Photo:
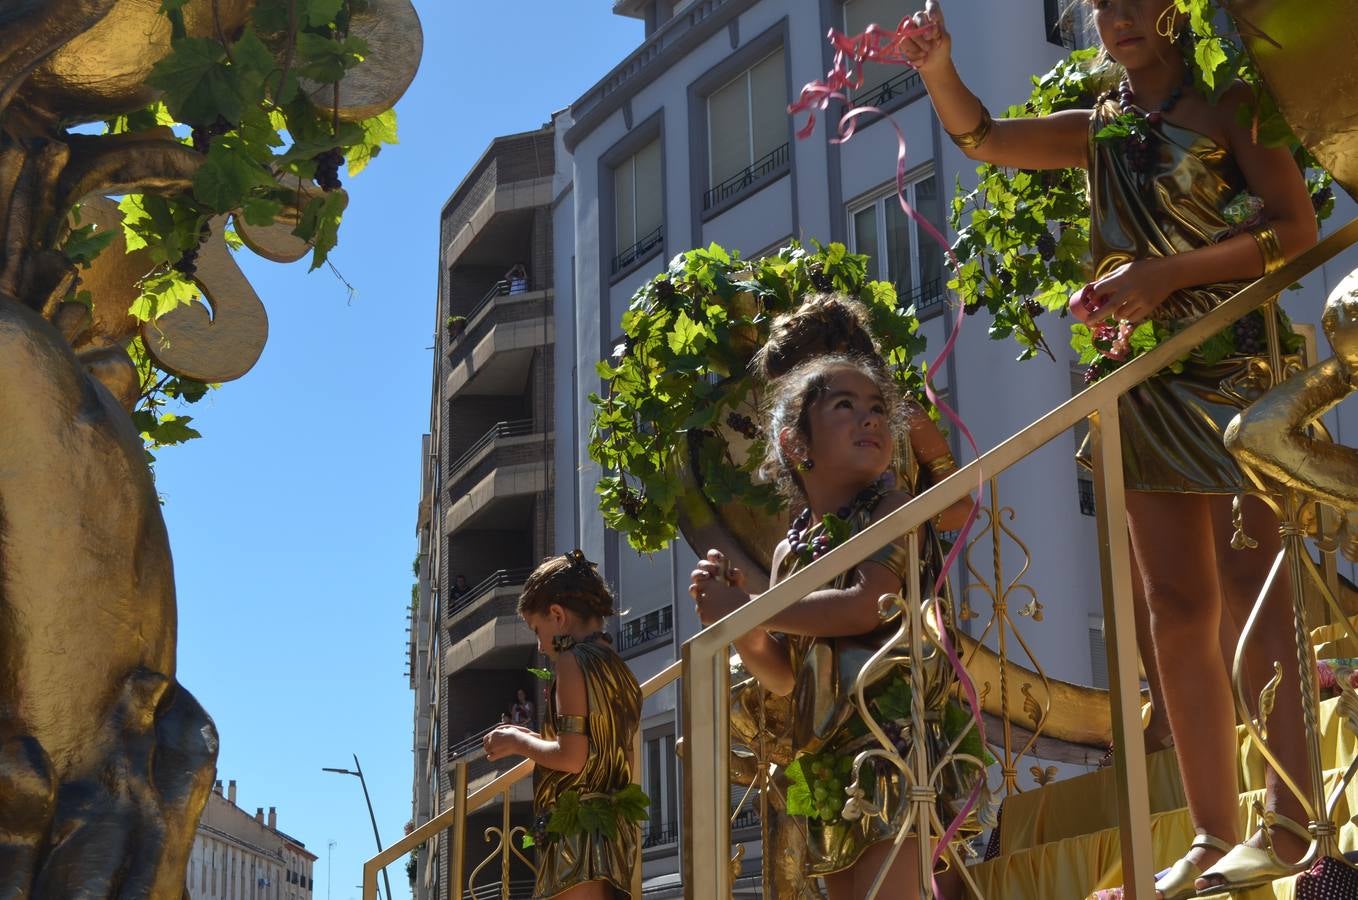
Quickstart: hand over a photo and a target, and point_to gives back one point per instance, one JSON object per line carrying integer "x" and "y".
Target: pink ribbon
{"x": 877, "y": 44}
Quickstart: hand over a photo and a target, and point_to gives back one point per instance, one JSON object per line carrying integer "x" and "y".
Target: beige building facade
{"x": 239, "y": 856}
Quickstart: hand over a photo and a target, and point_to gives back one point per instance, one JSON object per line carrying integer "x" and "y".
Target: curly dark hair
{"x": 821, "y": 325}
{"x": 788, "y": 405}
{"x": 571, "y": 581}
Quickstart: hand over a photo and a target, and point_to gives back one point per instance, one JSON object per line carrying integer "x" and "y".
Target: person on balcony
{"x": 583, "y": 756}
{"x": 838, "y": 435}
{"x": 521, "y": 712}
{"x": 1164, "y": 248}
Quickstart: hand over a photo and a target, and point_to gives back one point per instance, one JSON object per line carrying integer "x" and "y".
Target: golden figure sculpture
{"x": 105, "y": 760}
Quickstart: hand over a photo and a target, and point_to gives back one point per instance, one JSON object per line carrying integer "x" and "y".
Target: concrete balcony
{"x": 494, "y": 350}
{"x": 495, "y": 487}
{"x": 503, "y": 641}
{"x": 495, "y": 212}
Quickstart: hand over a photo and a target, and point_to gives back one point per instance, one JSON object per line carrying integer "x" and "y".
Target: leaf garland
{"x": 682, "y": 367}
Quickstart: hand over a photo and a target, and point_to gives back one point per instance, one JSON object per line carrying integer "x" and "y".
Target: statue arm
{"x": 35, "y": 30}
{"x": 1271, "y": 437}
{"x": 127, "y": 164}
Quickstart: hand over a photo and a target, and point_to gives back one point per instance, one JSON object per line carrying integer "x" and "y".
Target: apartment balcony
{"x": 494, "y": 208}
{"x": 493, "y": 484}
{"x": 493, "y": 351}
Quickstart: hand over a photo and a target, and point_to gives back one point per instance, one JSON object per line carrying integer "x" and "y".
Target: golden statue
{"x": 105, "y": 760}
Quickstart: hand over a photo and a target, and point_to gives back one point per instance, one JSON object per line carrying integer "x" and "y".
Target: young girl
{"x": 835, "y": 422}
{"x": 585, "y": 749}
{"x": 1162, "y": 248}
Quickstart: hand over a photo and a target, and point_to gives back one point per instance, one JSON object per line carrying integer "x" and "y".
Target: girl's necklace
{"x": 1139, "y": 152}
{"x": 809, "y": 543}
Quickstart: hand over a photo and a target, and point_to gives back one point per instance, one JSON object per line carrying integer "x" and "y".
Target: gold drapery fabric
{"x": 614, "y": 715}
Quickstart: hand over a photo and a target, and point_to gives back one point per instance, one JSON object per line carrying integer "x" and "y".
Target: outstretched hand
{"x": 932, "y": 48}
{"x": 717, "y": 587}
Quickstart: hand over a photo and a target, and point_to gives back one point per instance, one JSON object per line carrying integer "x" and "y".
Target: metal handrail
{"x": 456, "y": 815}
{"x": 470, "y": 743}
{"x": 923, "y": 296}
{"x": 770, "y": 162}
{"x": 510, "y": 428}
{"x": 706, "y": 655}
{"x": 498, "y": 289}
{"x": 637, "y": 250}
{"x": 497, "y": 579}
{"x": 884, "y": 92}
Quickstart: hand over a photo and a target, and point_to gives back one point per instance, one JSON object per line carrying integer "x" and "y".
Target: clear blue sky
{"x": 293, "y": 519}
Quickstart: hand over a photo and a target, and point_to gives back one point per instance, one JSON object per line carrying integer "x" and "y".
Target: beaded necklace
{"x": 810, "y": 542}
{"x": 1139, "y": 125}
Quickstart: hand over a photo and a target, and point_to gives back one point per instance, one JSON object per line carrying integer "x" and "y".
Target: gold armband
{"x": 1269, "y": 248}
{"x": 941, "y": 466}
{"x": 570, "y": 725}
{"x": 977, "y": 136}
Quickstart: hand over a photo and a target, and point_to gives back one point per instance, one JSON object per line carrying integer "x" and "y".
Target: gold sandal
{"x": 1178, "y": 881}
{"x": 1247, "y": 867}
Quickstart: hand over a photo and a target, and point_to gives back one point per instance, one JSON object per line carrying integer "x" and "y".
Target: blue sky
{"x": 292, "y": 521}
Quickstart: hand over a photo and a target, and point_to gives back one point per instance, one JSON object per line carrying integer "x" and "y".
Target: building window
{"x": 637, "y": 206}
{"x": 656, "y": 624}
{"x": 1098, "y": 653}
{"x": 881, "y": 82}
{"x": 899, "y": 250}
{"x": 1065, "y": 23}
{"x": 662, "y": 780}
{"x": 747, "y": 123}
{"x": 1085, "y": 487}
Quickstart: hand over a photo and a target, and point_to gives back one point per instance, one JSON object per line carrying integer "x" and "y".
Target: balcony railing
{"x": 497, "y": 579}
{"x": 637, "y": 250}
{"x": 660, "y": 835}
{"x": 1086, "y": 496}
{"x": 886, "y": 91}
{"x": 654, "y": 625}
{"x": 511, "y": 428}
{"x": 923, "y": 297}
{"x": 471, "y": 743}
{"x": 766, "y": 165}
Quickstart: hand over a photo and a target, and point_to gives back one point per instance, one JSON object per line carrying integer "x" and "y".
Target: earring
{"x": 562, "y": 642}
{"x": 806, "y": 465}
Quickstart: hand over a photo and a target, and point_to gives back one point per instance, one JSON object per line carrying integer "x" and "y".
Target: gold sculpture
{"x": 105, "y": 760}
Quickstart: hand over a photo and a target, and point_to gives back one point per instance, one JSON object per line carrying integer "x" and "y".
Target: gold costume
{"x": 565, "y": 861}
{"x": 1172, "y": 424}
{"x": 825, "y": 719}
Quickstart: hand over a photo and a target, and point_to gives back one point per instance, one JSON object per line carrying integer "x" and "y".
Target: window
{"x": 899, "y": 250}
{"x": 1084, "y": 483}
{"x": 1098, "y": 653}
{"x": 662, "y": 777}
{"x": 747, "y": 129}
{"x": 881, "y": 82}
{"x": 1065, "y": 23}
{"x": 637, "y": 206}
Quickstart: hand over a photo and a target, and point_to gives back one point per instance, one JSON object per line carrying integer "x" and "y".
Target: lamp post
{"x": 358, "y": 771}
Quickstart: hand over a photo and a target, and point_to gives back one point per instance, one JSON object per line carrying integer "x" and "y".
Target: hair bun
{"x": 822, "y": 325}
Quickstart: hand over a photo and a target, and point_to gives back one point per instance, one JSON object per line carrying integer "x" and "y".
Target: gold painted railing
{"x": 706, "y": 713}
{"x": 462, "y": 804}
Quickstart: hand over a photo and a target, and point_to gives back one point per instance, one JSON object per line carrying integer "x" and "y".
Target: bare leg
{"x": 1173, "y": 541}
{"x": 1157, "y": 733}
{"x": 1242, "y": 574}
{"x": 855, "y": 883}
{"x": 590, "y": 890}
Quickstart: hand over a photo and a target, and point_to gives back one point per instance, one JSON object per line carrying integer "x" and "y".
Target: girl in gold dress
{"x": 1162, "y": 248}
{"x": 835, "y": 422}
{"x": 583, "y": 756}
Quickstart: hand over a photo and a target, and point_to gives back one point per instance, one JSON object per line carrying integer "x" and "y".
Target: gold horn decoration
{"x": 395, "y": 41}
{"x": 221, "y": 346}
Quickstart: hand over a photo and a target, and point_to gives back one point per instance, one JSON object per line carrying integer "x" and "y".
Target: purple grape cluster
{"x": 664, "y": 288}
{"x": 822, "y": 282}
{"x": 202, "y": 136}
{"x": 1033, "y": 308}
{"x": 742, "y": 424}
{"x": 187, "y": 264}
{"x": 1251, "y": 337}
{"x": 1092, "y": 374}
{"x": 1322, "y": 196}
{"x": 1046, "y": 246}
{"x": 327, "y": 168}
{"x": 1006, "y": 279}
{"x": 630, "y": 502}
{"x": 895, "y": 734}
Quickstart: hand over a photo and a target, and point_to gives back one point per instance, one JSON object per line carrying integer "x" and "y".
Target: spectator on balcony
{"x": 521, "y": 713}
{"x": 459, "y": 588}
{"x": 517, "y": 276}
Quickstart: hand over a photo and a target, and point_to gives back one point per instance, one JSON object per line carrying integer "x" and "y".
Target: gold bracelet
{"x": 977, "y": 136}
{"x": 941, "y": 466}
{"x": 1269, "y": 248}
{"x": 570, "y": 725}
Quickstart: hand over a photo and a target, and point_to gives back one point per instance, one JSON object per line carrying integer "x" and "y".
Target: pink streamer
{"x": 880, "y": 45}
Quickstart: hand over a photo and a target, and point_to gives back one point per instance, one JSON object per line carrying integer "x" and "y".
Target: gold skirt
{"x": 1172, "y": 423}
{"x": 569, "y": 861}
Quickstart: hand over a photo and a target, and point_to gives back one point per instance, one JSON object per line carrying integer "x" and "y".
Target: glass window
{"x": 747, "y": 120}
{"x": 637, "y": 206}
{"x": 858, "y": 15}
{"x": 899, "y": 250}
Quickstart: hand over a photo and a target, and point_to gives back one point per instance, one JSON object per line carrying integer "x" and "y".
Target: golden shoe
{"x": 1178, "y": 881}
{"x": 1247, "y": 867}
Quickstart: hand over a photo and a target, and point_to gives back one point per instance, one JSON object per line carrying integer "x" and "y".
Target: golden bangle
{"x": 941, "y": 466}
{"x": 977, "y": 136}
{"x": 570, "y": 725}
{"x": 1269, "y": 248}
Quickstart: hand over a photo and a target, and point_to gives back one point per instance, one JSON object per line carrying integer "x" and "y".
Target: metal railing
{"x": 706, "y": 673}
{"x": 924, "y": 296}
{"x": 637, "y": 250}
{"x": 660, "y": 836}
{"x": 471, "y": 743}
{"x": 654, "y": 625}
{"x": 705, "y": 664}
{"x": 508, "y": 429}
{"x": 884, "y": 92}
{"x": 497, "y": 579}
{"x": 770, "y": 162}
{"x": 1086, "y": 489}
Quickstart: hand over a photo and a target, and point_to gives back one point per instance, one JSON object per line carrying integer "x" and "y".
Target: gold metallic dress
{"x": 614, "y": 697}
{"x": 1172, "y": 423}
{"x": 825, "y": 720}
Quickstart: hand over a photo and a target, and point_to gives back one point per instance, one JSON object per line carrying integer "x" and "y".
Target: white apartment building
{"x": 237, "y": 856}
{"x": 687, "y": 141}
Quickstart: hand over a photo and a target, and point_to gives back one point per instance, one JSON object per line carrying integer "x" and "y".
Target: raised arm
{"x": 933, "y": 453}
{"x": 1058, "y": 141}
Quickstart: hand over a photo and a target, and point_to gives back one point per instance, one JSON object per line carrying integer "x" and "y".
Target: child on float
{"x": 1162, "y": 248}
{"x": 593, "y": 711}
{"x": 835, "y": 422}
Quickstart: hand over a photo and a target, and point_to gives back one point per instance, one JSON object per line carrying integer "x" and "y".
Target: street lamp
{"x": 358, "y": 771}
